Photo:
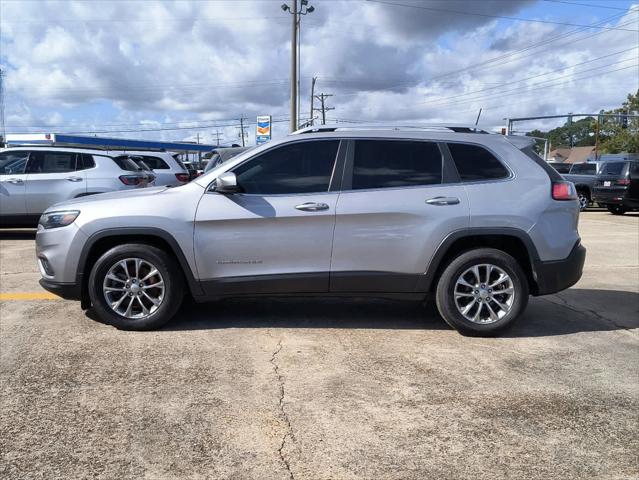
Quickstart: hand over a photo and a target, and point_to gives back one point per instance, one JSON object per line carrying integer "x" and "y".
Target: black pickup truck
{"x": 583, "y": 175}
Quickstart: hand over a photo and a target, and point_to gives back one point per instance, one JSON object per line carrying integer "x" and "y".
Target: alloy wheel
{"x": 133, "y": 288}
{"x": 484, "y": 293}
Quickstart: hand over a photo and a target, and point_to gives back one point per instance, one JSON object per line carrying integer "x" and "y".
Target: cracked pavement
{"x": 327, "y": 389}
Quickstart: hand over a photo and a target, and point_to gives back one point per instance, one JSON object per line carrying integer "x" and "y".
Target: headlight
{"x": 58, "y": 219}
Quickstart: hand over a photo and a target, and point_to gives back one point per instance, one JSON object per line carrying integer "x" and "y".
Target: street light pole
{"x": 296, "y": 16}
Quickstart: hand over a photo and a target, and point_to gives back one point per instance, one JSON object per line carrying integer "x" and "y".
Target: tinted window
{"x": 51, "y": 162}
{"x": 303, "y": 167}
{"x": 584, "y": 169}
{"x": 561, "y": 167}
{"x": 155, "y": 163}
{"x": 85, "y": 161}
{"x": 388, "y": 164}
{"x": 476, "y": 163}
{"x": 612, "y": 168}
{"x": 125, "y": 163}
{"x": 13, "y": 162}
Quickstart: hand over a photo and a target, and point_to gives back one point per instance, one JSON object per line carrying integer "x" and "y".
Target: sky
{"x": 181, "y": 70}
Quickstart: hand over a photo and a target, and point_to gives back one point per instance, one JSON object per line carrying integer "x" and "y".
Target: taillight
{"x": 131, "y": 179}
{"x": 563, "y": 191}
{"x": 182, "y": 177}
{"x": 623, "y": 181}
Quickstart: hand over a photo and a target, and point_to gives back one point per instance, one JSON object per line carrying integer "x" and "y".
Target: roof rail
{"x": 437, "y": 127}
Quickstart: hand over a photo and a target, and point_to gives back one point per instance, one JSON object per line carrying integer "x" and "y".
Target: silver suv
{"x": 478, "y": 220}
{"x": 34, "y": 178}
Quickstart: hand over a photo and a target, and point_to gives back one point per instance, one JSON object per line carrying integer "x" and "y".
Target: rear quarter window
{"x": 475, "y": 163}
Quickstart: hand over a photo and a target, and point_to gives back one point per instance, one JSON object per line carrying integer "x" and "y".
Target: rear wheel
{"x": 584, "y": 200}
{"x": 136, "y": 287}
{"x": 616, "y": 209}
{"x": 482, "y": 292}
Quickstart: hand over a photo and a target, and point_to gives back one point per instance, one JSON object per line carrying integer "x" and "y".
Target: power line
{"x": 502, "y": 59}
{"x": 543, "y": 74}
{"x": 527, "y": 89}
{"x": 592, "y": 5}
{"x": 461, "y": 12}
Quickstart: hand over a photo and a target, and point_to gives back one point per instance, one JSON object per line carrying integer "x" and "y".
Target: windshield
{"x": 612, "y": 168}
{"x": 584, "y": 168}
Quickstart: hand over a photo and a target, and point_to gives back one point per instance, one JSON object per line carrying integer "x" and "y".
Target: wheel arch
{"x": 513, "y": 241}
{"x": 100, "y": 242}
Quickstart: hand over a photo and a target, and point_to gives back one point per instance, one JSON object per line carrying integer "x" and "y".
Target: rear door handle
{"x": 15, "y": 181}
{"x": 312, "y": 207}
{"x": 74, "y": 179}
{"x": 443, "y": 201}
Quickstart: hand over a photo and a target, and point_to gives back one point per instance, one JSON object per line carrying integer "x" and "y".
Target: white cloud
{"x": 157, "y": 62}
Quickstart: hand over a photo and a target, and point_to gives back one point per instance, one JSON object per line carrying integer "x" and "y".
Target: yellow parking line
{"x": 29, "y": 296}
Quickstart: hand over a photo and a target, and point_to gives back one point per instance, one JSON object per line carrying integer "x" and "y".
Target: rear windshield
{"x": 561, "y": 167}
{"x": 584, "y": 169}
{"x": 612, "y": 168}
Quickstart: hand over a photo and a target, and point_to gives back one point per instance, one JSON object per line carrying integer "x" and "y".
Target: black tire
{"x": 616, "y": 209}
{"x": 163, "y": 262}
{"x": 584, "y": 200}
{"x": 445, "y": 298}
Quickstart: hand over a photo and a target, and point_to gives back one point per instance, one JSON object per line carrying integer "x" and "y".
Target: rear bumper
{"x": 558, "y": 275}
{"x": 614, "y": 198}
{"x": 68, "y": 291}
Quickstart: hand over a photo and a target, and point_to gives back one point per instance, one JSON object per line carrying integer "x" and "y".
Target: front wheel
{"x": 482, "y": 292}
{"x": 616, "y": 209}
{"x": 136, "y": 287}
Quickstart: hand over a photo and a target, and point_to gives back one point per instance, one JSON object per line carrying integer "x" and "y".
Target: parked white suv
{"x": 168, "y": 170}
{"x": 34, "y": 178}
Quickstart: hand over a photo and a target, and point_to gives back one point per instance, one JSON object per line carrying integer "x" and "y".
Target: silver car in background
{"x": 477, "y": 221}
{"x": 34, "y": 178}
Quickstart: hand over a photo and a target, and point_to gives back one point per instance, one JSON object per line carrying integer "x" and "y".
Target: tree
{"x": 615, "y": 138}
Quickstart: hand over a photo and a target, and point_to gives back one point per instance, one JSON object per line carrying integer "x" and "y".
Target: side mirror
{"x": 226, "y": 183}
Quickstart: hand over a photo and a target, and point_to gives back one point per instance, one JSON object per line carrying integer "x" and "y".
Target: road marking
{"x": 29, "y": 296}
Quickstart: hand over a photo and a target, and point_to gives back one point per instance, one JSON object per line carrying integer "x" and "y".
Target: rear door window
{"x": 51, "y": 162}
{"x": 396, "y": 163}
{"x": 475, "y": 163}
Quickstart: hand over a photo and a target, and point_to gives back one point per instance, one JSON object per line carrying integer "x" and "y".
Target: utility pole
{"x": 296, "y": 17}
{"x": 311, "y": 121}
{"x": 242, "y": 130}
{"x": 322, "y": 97}
{"x": 3, "y": 135}
{"x": 217, "y": 136}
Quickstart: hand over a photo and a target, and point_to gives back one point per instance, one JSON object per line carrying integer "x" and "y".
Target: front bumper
{"x": 68, "y": 291}
{"x": 554, "y": 276}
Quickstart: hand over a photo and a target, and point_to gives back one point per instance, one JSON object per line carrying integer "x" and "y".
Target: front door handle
{"x": 443, "y": 201}
{"x": 74, "y": 179}
{"x": 15, "y": 181}
{"x": 312, "y": 207}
